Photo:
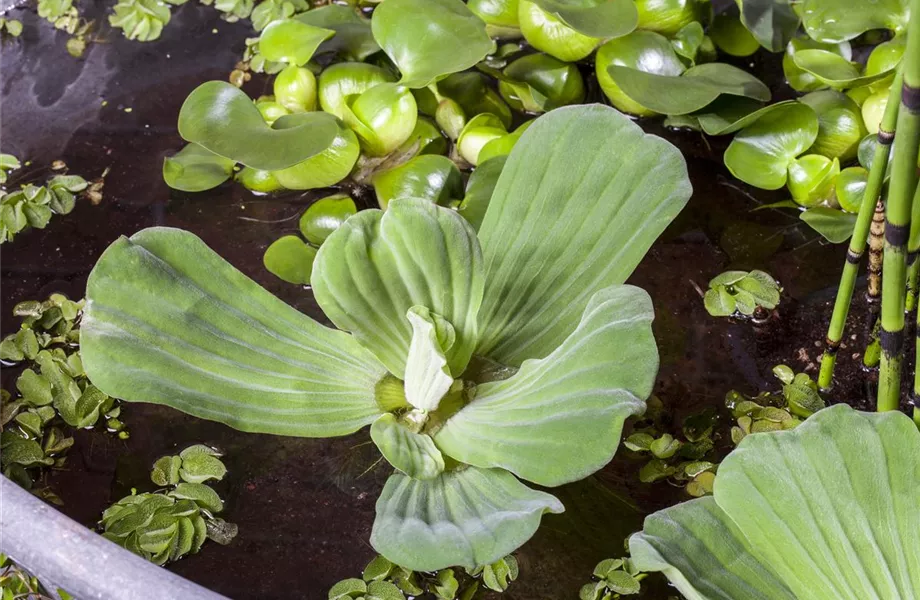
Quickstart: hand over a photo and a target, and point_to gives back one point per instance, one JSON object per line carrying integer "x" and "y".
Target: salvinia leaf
{"x": 428, "y": 39}
{"x": 415, "y": 253}
{"x": 829, "y": 507}
{"x": 469, "y": 517}
{"x": 696, "y": 88}
{"x": 761, "y": 152}
{"x": 168, "y": 321}
{"x": 427, "y": 376}
{"x": 195, "y": 169}
{"x": 606, "y": 19}
{"x": 220, "y": 117}
{"x": 546, "y": 249}
{"x": 584, "y": 390}
{"x": 412, "y": 453}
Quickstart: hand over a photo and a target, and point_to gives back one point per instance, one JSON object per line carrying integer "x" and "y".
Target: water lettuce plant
{"x": 826, "y": 511}
{"x": 477, "y": 358}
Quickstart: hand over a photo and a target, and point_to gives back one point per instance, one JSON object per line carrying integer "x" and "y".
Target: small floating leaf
{"x": 195, "y": 169}
{"x": 290, "y": 259}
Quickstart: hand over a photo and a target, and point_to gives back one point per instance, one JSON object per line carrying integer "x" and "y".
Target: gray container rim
{"x": 64, "y": 554}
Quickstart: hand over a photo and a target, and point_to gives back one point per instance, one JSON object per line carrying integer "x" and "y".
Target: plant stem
{"x": 858, "y": 241}
{"x": 898, "y": 213}
{"x": 913, "y": 277}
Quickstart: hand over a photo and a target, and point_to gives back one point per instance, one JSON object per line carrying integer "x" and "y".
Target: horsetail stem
{"x": 869, "y": 220}
{"x": 898, "y": 214}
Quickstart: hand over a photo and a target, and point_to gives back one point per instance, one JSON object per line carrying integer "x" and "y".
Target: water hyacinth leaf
{"x": 539, "y": 82}
{"x": 834, "y": 70}
{"x": 469, "y": 517}
{"x": 840, "y": 20}
{"x": 688, "y": 40}
{"x": 545, "y": 410}
{"x": 290, "y": 259}
{"x": 353, "y": 37}
{"x": 731, "y": 36}
{"x": 432, "y": 177}
{"x": 411, "y": 453}
{"x": 479, "y": 190}
{"x": 596, "y": 18}
{"x": 771, "y": 22}
{"x": 341, "y": 80}
{"x": 540, "y": 277}
{"x": 328, "y": 167}
{"x": 850, "y": 187}
{"x": 695, "y": 89}
{"x": 430, "y": 38}
{"x": 427, "y": 376}
{"x": 731, "y": 114}
{"x": 386, "y": 252}
{"x": 761, "y": 153}
{"x": 800, "y": 80}
{"x": 691, "y": 542}
{"x": 836, "y": 226}
{"x": 195, "y": 169}
{"x": 645, "y": 51}
{"x": 292, "y": 41}
{"x": 840, "y": 126}
{"x": 206, "y": 112}
{"x": 325, "y": 216}
{"x": 168, "y": 321}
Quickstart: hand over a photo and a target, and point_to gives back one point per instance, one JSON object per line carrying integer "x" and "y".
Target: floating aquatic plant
{"x": 472, "y": 356}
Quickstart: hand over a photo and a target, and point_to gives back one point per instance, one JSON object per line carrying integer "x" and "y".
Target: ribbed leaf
{"x": 830, "y": 506}
{"x": 559, "y": 419}
{"x": 691, "y": 542}
{"x": 378, "y": 265}
{"x": 412, "y": 453}
{"x": 170, "y": 322}
{"x": 471, "y": 517}
{"x": 427, "y": 376}
{"x": 580, "y": 200}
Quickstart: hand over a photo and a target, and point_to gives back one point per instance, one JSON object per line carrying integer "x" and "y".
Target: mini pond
{"x": 305, "y": 507}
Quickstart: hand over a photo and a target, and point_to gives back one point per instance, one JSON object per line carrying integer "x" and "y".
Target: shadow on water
{"x": 305, "y": 507}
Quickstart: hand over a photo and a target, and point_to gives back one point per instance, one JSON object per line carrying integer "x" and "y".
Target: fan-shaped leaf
{"x": 584, "y": 390}
{"x": 415, "y": 253}
{"x": 170, "y": 322}
{"x": 470, "y": 517}
{"x": 580, "y": 200}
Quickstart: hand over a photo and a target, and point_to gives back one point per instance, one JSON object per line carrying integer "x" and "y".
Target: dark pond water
{"x": 305, "y": 507}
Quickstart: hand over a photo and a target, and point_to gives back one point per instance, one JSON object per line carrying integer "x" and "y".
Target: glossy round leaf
{"x": 645, "y": 51}
{"x": 841, "y": 20}
{"x": 290, "y": 259}
{"x": 427, "y": 39}
{"x": 731, "y": 114}
{"x": 325, "y": 216}
{"x": 541, "y": 83}
{"x": 840, "y": 124}
{"x": 811, "y": 179}
{"x": 731, "y": 36}
{"x": 195, "y": 169}
{"x": 761, "y": 153}
{"x": 342, "y": 80}
{"x": 432, "y": 177}
{"x": 550, "y": 34}
{"x": 292, "y": 41}
{"x": 353, "y": 38}
{"x": 221, "y": 118}
{"x": 595, "y": 18}
{"x": 667, "y": 17}
{"x": 383, "y": 117}
{"x": 695, "y": 89}
{"x": 850, "y": 187}
{"x": 833, "y": 70}
{"x": 329, "y": 167}
{"x": 295, "y": 89}
{"x": 834, "y": 225}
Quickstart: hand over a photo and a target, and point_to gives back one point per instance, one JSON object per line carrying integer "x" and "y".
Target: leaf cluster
{"x": 53, "y": 390}
{"x": 614, "y": 578}
{"x": 33, "y": 205}
{"x": 383, "y": 580}
{"x": 166, "y": 525}
{"x": 741, "y": 292}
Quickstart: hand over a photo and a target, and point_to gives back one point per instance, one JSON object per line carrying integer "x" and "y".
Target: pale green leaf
{"x": 170, "y": 322}
{"x": 292, "y": 41}
{"x": 841, "y": 20}
{"x": 836, "y": 226}
{"x": 596, "y": 18}
{"x": 771, "y": 22}
{"x": 583, "y": 391}
{"x": 412, "y": 453}
{"x": 203, "y": 495}
{"x": 469, "y": 517}
{"x": 831, "y": 507}
{"x": 415, "y": 253}
{"x": 427, "y": 376}
{"x": 580, "y": 200}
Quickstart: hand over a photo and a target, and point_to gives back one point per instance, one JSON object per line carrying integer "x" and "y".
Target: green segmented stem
{"x": 901, "y": 191}
{"x": 860, "y": 236}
